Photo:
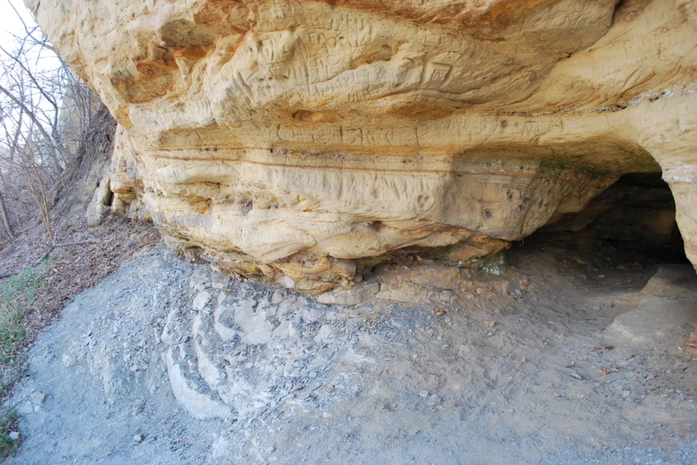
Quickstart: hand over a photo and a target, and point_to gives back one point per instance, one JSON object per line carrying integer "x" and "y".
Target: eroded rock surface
{"x": 300, "y": 140}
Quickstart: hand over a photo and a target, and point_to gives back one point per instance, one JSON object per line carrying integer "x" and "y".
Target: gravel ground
{"x": 563, "y": 358}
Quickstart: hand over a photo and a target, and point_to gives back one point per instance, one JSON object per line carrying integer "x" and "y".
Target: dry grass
{"x": 17, "y": 300}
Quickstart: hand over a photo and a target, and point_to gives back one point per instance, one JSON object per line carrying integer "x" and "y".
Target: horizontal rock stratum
{"x": 301, "y": 140}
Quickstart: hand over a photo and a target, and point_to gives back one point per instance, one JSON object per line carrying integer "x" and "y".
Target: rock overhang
{"x": 299, "y": 139}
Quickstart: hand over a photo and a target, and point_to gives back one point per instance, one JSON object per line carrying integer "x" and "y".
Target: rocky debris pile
{"x": 240, "y": 349}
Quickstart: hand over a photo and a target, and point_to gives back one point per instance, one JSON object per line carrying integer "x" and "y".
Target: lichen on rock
{"x": 298, "y": 140}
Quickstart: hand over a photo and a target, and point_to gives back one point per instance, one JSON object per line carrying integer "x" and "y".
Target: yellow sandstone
{"x": 299, "y": 139}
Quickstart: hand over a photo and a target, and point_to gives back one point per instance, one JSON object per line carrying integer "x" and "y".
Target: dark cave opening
{"x": 635, "y": 216}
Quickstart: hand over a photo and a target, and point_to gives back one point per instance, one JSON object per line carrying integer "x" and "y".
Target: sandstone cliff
{"x": 300, "y": 140}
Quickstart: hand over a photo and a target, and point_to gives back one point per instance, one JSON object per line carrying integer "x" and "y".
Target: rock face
{"x": 301, "y": 140}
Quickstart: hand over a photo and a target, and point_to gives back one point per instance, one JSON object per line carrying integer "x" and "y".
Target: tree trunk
{"x": 6, "y": 219}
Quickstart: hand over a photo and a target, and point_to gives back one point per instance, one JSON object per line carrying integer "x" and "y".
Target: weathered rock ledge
{"x": 304, "y": 140}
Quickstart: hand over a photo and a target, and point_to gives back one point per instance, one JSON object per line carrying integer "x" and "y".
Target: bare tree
{"x": 45, "y": 111}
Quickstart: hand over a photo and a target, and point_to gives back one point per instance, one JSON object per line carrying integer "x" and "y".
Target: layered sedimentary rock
{"x": 302, "y": 140}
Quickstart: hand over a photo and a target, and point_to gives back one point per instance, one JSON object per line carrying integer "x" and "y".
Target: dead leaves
{"x": 604, "y": 371}
{"x": 600, "y": 349}
{"x": 609, "y": 369}
{"x": 692, "y": 342}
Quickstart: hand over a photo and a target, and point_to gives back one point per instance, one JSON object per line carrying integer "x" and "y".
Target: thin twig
{"x": 69, "y": 244}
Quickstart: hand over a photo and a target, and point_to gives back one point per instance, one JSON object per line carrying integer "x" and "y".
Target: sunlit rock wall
{"x": 299, "y": 140}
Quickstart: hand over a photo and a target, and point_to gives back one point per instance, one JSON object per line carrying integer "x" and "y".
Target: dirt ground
{"x": 568, "y": 356}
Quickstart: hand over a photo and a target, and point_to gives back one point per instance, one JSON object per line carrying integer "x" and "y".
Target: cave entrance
{"x": 634, "y": 219}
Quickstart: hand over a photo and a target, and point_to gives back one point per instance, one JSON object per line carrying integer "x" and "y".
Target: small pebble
{"x": 138, "y": 438}
{"x": 14, "y": 435}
